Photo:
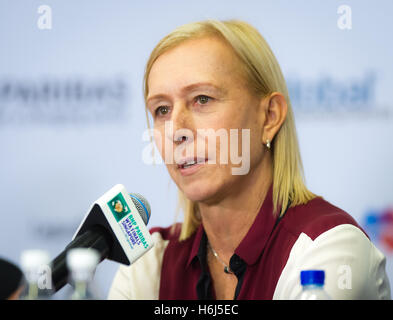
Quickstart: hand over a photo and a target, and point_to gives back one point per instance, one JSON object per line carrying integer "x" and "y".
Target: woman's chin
{"x": 198, "y": 193}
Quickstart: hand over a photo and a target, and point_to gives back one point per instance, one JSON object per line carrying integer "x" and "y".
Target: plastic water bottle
{"x": 312, "y": 282}
{"x": 82, "y": 263}
{"x": 38, "y": 276}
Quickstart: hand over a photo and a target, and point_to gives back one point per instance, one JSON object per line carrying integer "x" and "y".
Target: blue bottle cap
{"x": 312, "y": 277}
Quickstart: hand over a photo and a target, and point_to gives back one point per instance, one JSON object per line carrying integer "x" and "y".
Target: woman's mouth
{"x": 189, "y": 166}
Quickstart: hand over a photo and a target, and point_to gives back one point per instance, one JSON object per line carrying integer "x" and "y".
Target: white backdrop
{"x": 72, "y": 112}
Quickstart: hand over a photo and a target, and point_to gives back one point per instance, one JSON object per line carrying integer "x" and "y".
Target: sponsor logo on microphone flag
{"x": 119, "y": 207}
{"x": 127, "y": 221}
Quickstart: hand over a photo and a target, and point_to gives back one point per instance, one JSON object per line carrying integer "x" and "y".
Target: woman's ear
{"x": 275, "y": 109}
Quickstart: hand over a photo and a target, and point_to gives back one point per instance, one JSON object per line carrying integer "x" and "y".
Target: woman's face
{"x": 202, "y": 111}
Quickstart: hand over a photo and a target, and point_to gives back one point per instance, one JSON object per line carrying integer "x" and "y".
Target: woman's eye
{"x": 203, "y": 99}
{"x": 161, "y": 111}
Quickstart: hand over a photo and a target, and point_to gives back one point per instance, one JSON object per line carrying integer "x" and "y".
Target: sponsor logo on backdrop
{"x": 327, "y": 95}
{"x": 379, "y": 226}
{"x": 54, "y": 101}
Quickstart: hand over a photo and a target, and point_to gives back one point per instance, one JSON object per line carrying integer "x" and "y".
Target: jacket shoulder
{"x": 316, "y": 217}
{"x": 170, "y": 233}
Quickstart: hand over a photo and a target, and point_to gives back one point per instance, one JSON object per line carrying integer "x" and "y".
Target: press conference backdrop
{"x": 72, "y": 114}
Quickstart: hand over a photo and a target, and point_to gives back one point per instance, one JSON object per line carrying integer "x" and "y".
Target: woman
{"x": 246, "y": 234}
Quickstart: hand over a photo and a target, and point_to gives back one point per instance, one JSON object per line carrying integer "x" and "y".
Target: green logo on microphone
{"x": 119, "y": 207}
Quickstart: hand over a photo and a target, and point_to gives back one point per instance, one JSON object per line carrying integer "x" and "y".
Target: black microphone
{"x": 115, "y": 227}
{"x": 96, "y": 237}
{"x": 11, "y": 279}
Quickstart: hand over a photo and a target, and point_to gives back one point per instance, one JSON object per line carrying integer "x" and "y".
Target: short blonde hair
{"x": 263, "y": 75}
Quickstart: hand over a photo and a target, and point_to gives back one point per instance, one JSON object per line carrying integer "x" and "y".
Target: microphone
{"x": 115, "y": 226}
{"x": 11, "y": 279}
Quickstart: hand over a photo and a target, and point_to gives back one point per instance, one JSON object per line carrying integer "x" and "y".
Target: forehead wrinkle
{"x": 223, "y": 64}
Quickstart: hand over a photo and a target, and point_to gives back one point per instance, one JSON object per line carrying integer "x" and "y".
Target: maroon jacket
{"x": 258, "y": 260}
{"x": 268, "y": 260}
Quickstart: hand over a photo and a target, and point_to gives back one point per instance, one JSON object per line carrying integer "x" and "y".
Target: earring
{"x": 268, "y": 144}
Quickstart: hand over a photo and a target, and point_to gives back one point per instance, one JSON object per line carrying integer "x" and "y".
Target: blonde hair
{"x": 264, "y": 76}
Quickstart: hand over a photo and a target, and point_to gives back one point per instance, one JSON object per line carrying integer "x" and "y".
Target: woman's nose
{"x": 182, "y": 123}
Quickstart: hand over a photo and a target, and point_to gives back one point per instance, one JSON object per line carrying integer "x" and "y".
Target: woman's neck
{"x": 227, "y": 222}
